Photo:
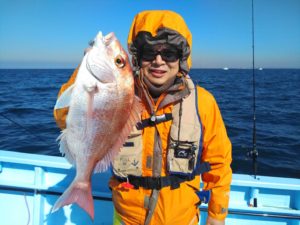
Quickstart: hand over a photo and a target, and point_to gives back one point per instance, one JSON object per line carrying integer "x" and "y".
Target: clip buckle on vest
{"x": 154, "y": 120}
{"x": 127, "y": 184}
{"x": 204, "y": 196}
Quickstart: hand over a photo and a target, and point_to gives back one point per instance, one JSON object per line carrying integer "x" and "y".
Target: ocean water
{"x": 27, "y": 98}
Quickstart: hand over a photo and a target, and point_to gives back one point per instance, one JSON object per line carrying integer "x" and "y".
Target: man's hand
{"x": 211, "y": 221}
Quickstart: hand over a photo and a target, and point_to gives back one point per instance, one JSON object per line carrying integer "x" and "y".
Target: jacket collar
{"x": 173, "y": 94}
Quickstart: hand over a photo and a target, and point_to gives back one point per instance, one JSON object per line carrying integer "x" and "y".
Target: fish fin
{"x": 63, "y": 147}
{"x": 64, "y": 100}
{"x": 131, "y": 122}
{"x": 79, "y": 193}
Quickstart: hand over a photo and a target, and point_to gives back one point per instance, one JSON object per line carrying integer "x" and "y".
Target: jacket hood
{"x": 159, "y": 27}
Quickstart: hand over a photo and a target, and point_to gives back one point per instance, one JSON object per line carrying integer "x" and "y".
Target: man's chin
{"x": 157, "y": 81}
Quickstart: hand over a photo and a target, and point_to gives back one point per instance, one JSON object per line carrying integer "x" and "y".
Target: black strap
{"x": 153, "y": 182}
{"x": 154, "y": 120}
{"x": 158, "y": 183}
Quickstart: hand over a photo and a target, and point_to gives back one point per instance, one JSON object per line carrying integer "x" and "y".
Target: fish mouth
{"x": 98, "y": 61}
{"x": 109, "y": 38}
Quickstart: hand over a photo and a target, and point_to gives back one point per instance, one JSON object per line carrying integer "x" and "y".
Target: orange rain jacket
{"x": 177, "y": 206}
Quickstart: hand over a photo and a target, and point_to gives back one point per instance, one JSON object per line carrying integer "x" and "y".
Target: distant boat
{"x": 260, "y": 68}
{"x": 225, "y": 68}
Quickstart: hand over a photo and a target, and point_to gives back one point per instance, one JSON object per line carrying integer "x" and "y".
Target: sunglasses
{"x": 168, "y": 53}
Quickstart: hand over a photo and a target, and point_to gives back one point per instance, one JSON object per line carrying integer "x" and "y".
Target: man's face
{"x": 160, "y": 63}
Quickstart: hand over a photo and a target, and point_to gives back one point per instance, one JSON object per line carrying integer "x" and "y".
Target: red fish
{"x": 102, "y": 112}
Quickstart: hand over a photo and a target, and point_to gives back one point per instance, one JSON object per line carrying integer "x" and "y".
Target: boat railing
{"x": 31, "y": 183}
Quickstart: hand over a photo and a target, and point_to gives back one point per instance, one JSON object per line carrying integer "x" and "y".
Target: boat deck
{"x": 31, "y": 183}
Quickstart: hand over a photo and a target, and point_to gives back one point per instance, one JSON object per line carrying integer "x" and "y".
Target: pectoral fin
{"x": 64, "y": 100}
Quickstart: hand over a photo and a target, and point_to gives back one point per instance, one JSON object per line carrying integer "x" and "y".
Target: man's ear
{"x": 134, "y": 61}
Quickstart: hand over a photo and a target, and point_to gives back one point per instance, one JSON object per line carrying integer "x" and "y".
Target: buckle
{"x": 152, "y": 183}
{"x": 158, "y": 183}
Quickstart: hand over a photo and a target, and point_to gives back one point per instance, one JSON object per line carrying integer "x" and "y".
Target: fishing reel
{"x": 253, "y": 153}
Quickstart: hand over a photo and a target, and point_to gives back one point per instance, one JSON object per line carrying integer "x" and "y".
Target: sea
{"x": 27, "y": 98}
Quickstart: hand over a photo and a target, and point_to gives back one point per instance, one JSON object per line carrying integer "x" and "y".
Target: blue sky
{"x": 54, "y": 33}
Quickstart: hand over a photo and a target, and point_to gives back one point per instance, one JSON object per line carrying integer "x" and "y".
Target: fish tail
{"x": 80, "y": 193}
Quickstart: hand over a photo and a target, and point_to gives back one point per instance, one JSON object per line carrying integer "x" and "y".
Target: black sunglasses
{"x": 168, "y": 53}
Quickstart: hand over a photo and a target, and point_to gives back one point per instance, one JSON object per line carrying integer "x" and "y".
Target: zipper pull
{"x": 192, "y": 158}
{"x": 191, "y": 162}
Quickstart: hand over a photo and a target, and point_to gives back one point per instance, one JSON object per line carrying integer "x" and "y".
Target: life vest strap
{"x": 158, "y": 183}
{"x": 154, "y": 120}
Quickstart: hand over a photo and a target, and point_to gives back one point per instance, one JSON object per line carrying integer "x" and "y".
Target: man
{"x": 181, "y": 136}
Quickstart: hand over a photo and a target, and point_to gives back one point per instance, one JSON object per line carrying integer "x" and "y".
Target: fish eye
{"x": 119, "y": 61}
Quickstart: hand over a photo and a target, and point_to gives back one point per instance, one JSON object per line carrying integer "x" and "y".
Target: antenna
{"x": 253, "y": 153}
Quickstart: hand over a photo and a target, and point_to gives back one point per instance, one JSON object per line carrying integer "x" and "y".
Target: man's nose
{"x": 158, "y": 59}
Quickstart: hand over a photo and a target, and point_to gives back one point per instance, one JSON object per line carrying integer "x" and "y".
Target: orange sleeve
{"x": 216, "y": 151}
{"x": 60, "y": 115}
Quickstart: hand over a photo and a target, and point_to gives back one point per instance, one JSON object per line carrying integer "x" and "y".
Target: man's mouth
{"x": 157, "y": 72}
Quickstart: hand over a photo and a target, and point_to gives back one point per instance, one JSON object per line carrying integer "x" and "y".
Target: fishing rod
{"x": 253, "y": 153}
{"x": 22, "y": 127}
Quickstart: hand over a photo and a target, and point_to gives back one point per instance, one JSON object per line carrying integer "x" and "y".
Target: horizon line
{"x": 221, "y": 68}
